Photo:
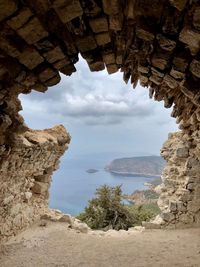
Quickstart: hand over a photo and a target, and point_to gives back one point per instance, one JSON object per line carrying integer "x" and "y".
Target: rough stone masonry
{"x": 154, "y": 42}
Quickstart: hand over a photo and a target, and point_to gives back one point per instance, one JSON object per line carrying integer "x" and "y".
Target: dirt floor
{"x": 56, "y": 245}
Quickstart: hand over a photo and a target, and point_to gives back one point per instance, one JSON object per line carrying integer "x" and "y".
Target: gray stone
{"x": 182, "y": 152}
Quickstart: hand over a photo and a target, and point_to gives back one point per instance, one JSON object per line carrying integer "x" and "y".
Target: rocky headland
{"x": 147, "y": 166}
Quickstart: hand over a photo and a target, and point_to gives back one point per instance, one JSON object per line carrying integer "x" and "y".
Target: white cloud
{"x": 93, "y": 98}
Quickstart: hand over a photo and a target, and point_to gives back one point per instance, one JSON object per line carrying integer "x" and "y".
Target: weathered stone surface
{"x": 191, "y": 38}
{"x": 165, "y": 43}
{"x": 99, "y": 25}
{"x": 20, "y": 19}
{"x": 54, "y": 55}
{"x": 71, "y": 10}
{"x": 7, "y": 8}
{"x": 33, "y": 31}
{"x": 23, "y": 199}
{"x": 86, "y": 43}
{"x": 177, "y": 199}
{"x": 195, "y": 68}
{"x": 30, "y": 58}
{"x": 102, "y": 38}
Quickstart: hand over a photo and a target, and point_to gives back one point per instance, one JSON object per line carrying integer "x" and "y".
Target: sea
{"x": 72, "y": 186}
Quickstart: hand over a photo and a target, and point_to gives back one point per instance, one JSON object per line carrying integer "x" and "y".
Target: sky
{"x": 103, "y": 115}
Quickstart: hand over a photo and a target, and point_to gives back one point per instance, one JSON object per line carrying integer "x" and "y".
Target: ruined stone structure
{"x": 154, "y": 42}
{"x": 25, "y": 176}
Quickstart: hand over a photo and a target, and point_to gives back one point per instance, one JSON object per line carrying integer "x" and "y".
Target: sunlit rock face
{"x": 180, "y": 192}
{"x": 25, "y": 176}
{"x": 154, "y": 42}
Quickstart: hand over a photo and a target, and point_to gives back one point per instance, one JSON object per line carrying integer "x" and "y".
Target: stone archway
{"x": 154, "y": 42}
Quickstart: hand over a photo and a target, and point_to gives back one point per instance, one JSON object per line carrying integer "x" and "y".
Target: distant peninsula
{"x": 92, "y": 170}
{"x": 146, "y": 166}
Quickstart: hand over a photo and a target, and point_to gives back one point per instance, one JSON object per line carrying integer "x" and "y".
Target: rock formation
{"x": 155, "y": 42}
{"x": 180, "y": 192}
{"x": 25, "y": 176}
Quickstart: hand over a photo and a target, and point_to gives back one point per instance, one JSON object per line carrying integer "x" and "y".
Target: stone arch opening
{"x": 125, "y": 138}
{"x": 155, "y": 43}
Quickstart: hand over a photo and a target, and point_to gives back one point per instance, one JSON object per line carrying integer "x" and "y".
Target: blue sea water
{"x": 72, "y": 186}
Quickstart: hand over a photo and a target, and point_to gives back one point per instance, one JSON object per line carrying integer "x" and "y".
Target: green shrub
{"x": 143, "y": 212}
{"x": 106, "y": 211}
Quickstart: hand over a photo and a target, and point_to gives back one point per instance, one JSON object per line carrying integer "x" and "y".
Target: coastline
{"x": 134, "y": 174}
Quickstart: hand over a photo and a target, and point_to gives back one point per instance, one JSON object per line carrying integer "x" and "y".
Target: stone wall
{"x": 180, "y": 191}
{"x": 25, "y": 177}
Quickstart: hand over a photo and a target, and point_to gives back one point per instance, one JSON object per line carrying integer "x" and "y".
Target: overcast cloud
{"x": 96, "y": 104}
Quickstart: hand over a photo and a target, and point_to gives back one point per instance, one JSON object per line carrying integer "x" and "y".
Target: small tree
{"x": 106, "y": 211}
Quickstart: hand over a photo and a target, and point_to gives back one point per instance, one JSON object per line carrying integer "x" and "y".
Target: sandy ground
{"x": 56, "y": 245}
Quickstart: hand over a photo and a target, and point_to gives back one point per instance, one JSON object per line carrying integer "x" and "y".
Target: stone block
{"x": 7, "y": 8}
{"x": 96, "y": 66}
{"x": 54, "y": 55}
{"x": 116, "y": 22}
{"x": 109, "y": 58}
{"x": 166, "y": 43}
{"x": 191, "y": 39}
{"x": 53, "y": 81}
{"x": 20, "y": 19}
{"x": 155, "y": 79}
{"x": 172, "y": 206}
{"x": 170, "y": 81}
{"x": 99, "y": 24}
{"x": 143, "y": 69}
{"x": 68, "y": 69}
{"x": 177, "y": 74}
{"x": 103, "y": 38}
{"x": 86, "y": 43}
{"x": 30, "y": 58}
{"x": 33, "y": 31}
{"x": 119, "y": 59}
{"x": 180, "y": 64}
{"x": 70, "y": 11}
{"x": 195, "y": 68}
{"x": 62, "y": 63}
{"x": 143, "y": 80}
{"x": 112, "y": 68}
{"x": 46, "y": 74}
{"x": 168, "y": 216}
{"x": 40, "y": 87}
{"x": 159, "y": 62}
{"x": 40, "y": 188}
{"x": 111, "y": 7}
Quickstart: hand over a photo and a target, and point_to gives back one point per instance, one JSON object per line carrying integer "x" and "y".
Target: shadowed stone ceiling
{"x": 155, "y": 42}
